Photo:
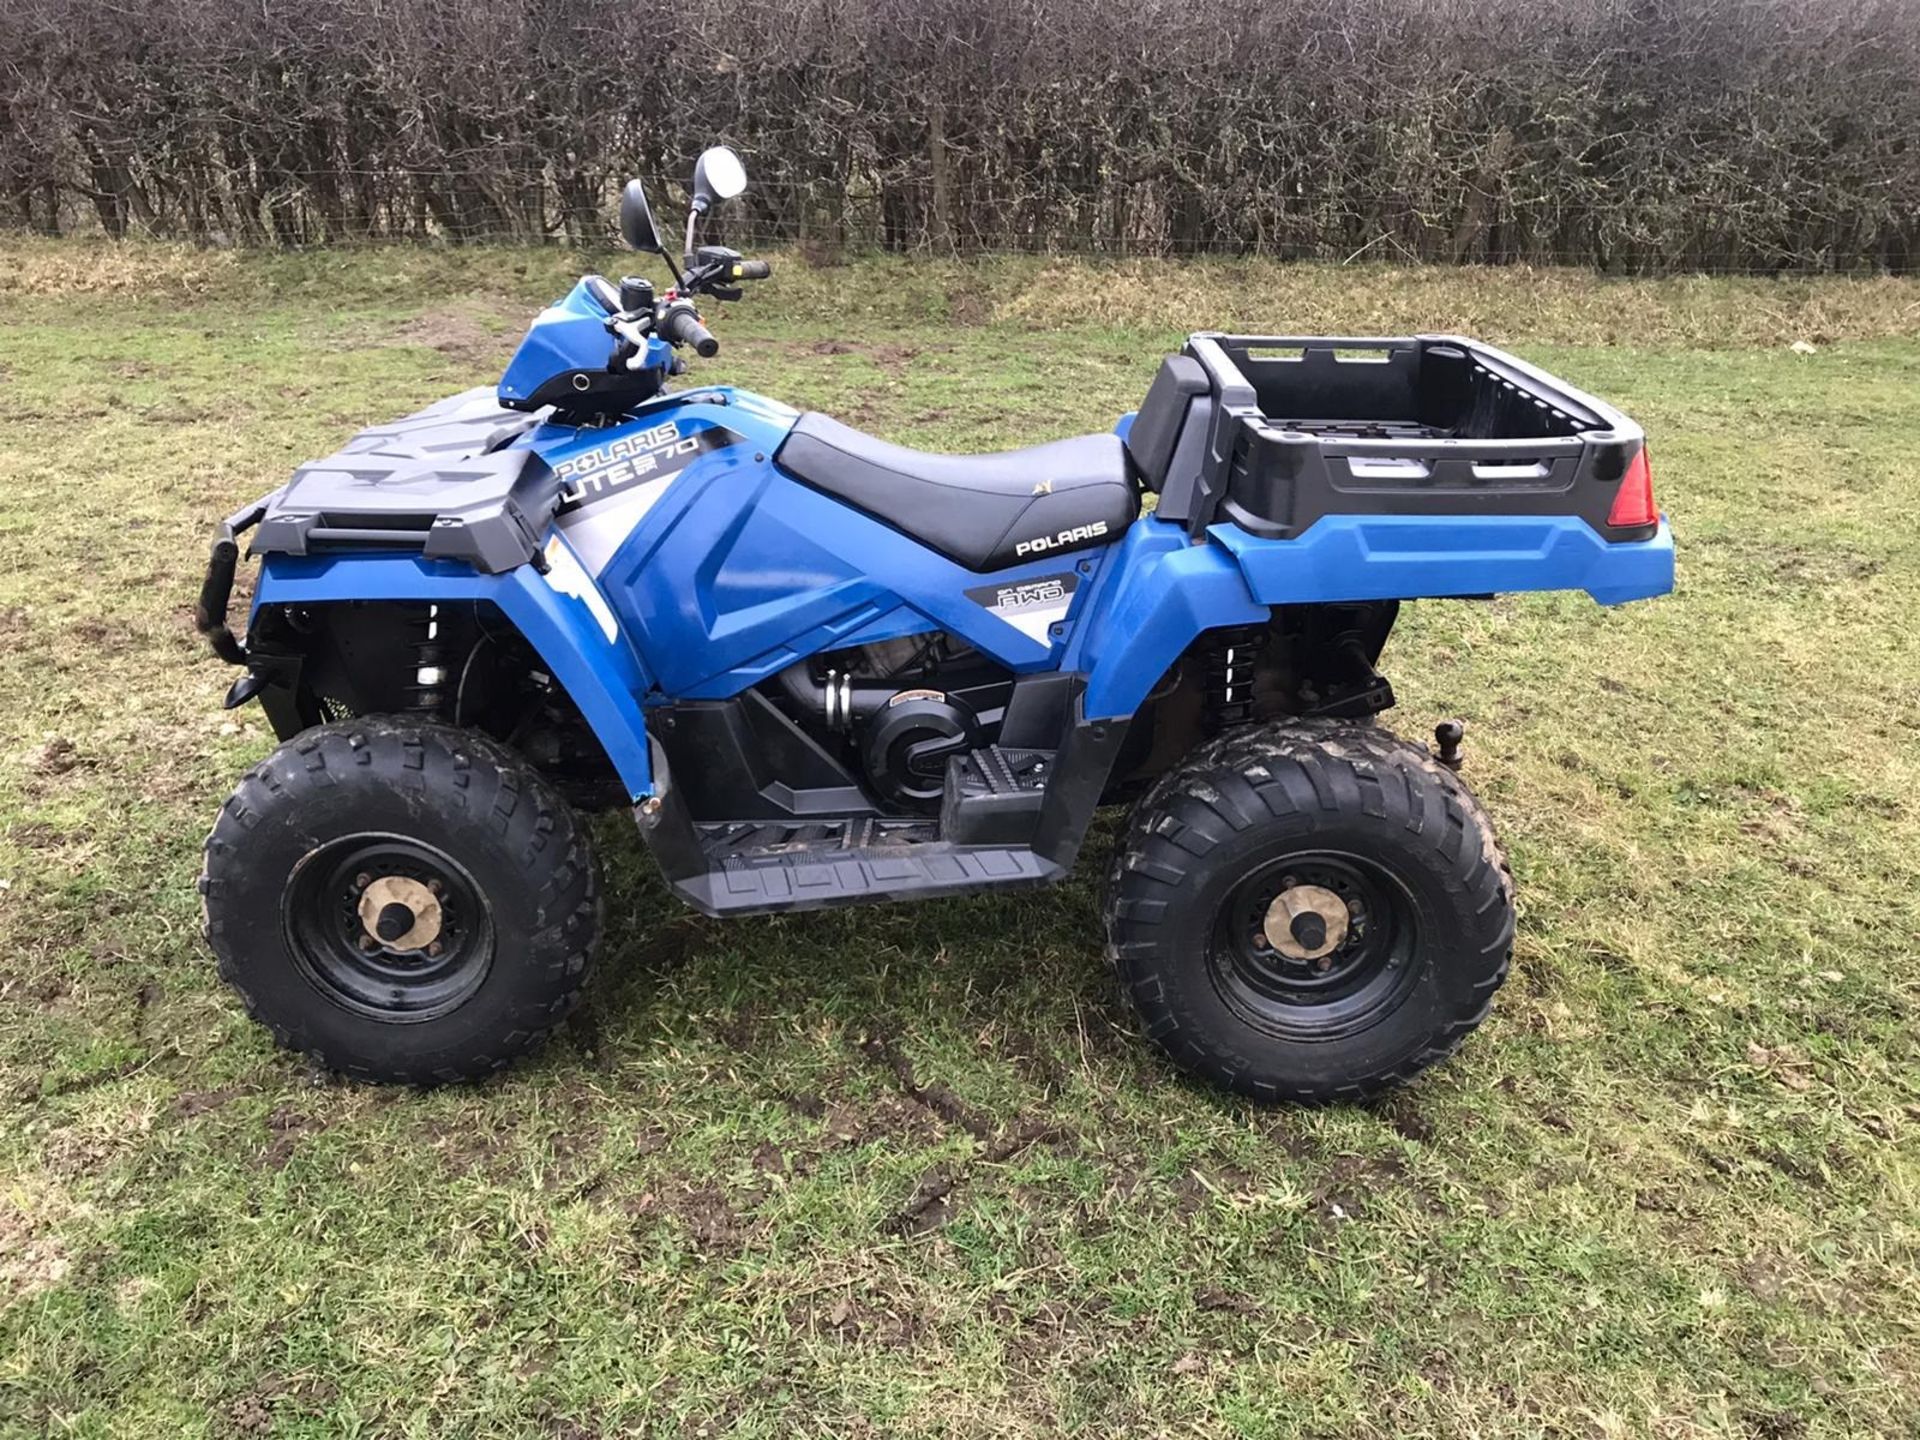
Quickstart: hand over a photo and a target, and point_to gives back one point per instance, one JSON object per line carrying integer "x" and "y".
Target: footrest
{"x": 993, "y": 796}
{"x": 757, "y": 867}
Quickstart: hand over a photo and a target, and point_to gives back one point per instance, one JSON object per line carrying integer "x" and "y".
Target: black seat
{"x": 985, "y": 512}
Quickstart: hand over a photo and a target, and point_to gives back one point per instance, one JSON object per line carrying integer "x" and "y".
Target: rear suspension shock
{"x": 1231, "y": 655}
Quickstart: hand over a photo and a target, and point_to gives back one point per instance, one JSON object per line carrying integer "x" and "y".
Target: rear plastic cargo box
{"x": 1281, "y": 430}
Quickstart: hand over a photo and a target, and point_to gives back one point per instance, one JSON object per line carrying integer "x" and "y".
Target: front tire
{"x": 401, "y": 901}
{"x": 1311, "y": 911}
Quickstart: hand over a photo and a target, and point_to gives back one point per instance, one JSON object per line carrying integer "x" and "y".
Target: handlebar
{"x": 752, "y": 270}
{"x": 680, "y": 324}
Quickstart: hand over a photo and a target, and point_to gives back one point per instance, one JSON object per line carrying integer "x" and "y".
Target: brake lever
{"x": 627, "y": 327}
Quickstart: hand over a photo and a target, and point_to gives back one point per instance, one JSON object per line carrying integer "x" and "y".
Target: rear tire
{"x": 1311, "y": 911}
{"x": 401, "y": 901}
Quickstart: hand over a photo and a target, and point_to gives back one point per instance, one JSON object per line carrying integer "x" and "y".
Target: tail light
{"x": 1633, "y": 507}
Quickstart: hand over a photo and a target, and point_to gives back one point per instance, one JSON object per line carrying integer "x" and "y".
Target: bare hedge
{"x": 1632, "y": 135}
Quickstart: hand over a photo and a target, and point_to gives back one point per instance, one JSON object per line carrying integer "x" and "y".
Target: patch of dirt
{"x": 1821, "y": 569}
{"x": 811, "y": 1106}
{"x": 1347, "y": 1188}
{"x": 37, "y": 835}
{"x": 847, "y": 1125}
{"x": 933, "y": 1201}
{"x": 454, "y": 333}
{"x": 707, "y": 1215}
{"x": 740, "y": 1030}
{"x": 255, "y": 1412}
{"x": 250, "y": 1415}
{"x": 936, "y": 1097}
{"x": 1225, "y": 1302}
{"x": 1033, "y": 1059}
{"x": 465, "y": 1150}
{"x": 1402, "y": 1112}
{"x": 1284, "y": 1134}
{"x": 769, "y": 1159}
{"x": 1048, "y": 1334}
{"x": 888, "y": 356}
{"x": 286, "y": 1125}
{"x": 857, "y": 1320}
{"x": 57, "y": 756}
{"x": 931, "y": 1204}
{"x": 896, "y": 357}
{"x": 1773, "y": 1424}
{"x": 1794, "y": 1167}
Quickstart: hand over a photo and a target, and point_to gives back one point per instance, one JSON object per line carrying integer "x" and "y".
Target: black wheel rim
{"x": 388, "y": 927}
{"x": 1358, "y": 979}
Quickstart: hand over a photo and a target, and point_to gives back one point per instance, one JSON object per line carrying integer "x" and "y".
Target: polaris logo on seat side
{"x": 1075, "y": 536}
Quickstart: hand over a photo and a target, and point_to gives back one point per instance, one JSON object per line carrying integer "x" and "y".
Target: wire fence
{"x": 443, "y": 205}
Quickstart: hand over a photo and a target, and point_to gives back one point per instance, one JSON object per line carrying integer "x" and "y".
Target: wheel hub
{"x": 400, "y": 913}
{"x": 1312, "y": 941}
{"x": 388, "y": 926}
{"x": 1306, "y": 922}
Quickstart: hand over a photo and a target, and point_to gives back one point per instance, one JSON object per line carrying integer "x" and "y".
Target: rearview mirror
{"x": 717, "y": 175}
{"x": 636, "y": 219}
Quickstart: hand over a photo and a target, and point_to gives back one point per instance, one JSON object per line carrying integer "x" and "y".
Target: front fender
{"x": 560, "y": 614}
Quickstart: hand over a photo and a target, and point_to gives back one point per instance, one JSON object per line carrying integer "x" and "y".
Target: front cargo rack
{"x": 1273, "y": 432}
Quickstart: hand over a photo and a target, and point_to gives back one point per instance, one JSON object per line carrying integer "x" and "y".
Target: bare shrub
{"x": 1632, "y": 135}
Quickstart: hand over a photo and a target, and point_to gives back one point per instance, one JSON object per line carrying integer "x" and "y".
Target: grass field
{"x": 911, "y": 1171}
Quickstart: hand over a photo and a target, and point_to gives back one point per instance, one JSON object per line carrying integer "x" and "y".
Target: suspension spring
{"x": 1230, "y": 658}
{"x": 427, "y": 686}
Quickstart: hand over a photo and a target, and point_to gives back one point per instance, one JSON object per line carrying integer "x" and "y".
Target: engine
{"x": 903, "y": 708}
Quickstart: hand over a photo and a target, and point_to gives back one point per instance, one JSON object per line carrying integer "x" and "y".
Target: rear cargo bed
{"x": 1272, "y": 433}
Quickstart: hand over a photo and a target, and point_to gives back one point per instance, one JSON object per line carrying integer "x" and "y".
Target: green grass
{"x": 1671, "y": 1189}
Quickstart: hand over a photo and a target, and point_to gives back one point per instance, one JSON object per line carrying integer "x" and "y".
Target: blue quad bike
{"x": 823, "y": 669}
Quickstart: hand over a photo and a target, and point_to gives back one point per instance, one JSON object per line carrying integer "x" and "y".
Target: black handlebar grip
{"x": 752, "y": 270}
{"x": 683, "y": 327}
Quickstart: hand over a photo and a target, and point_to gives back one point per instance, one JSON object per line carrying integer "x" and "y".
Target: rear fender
{"x": 1412, "y": 557}
{"x": 1158, "y": 594}
{"x": 561, "y": 614}
{"x": 1163, "y": 590}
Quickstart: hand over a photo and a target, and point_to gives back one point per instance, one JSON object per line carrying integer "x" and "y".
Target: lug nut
{"x": 435, "y": 886}
{"x": 362, "y": 880}
{"x": 435, "y": 948}
{"x": 367, "y": 942}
